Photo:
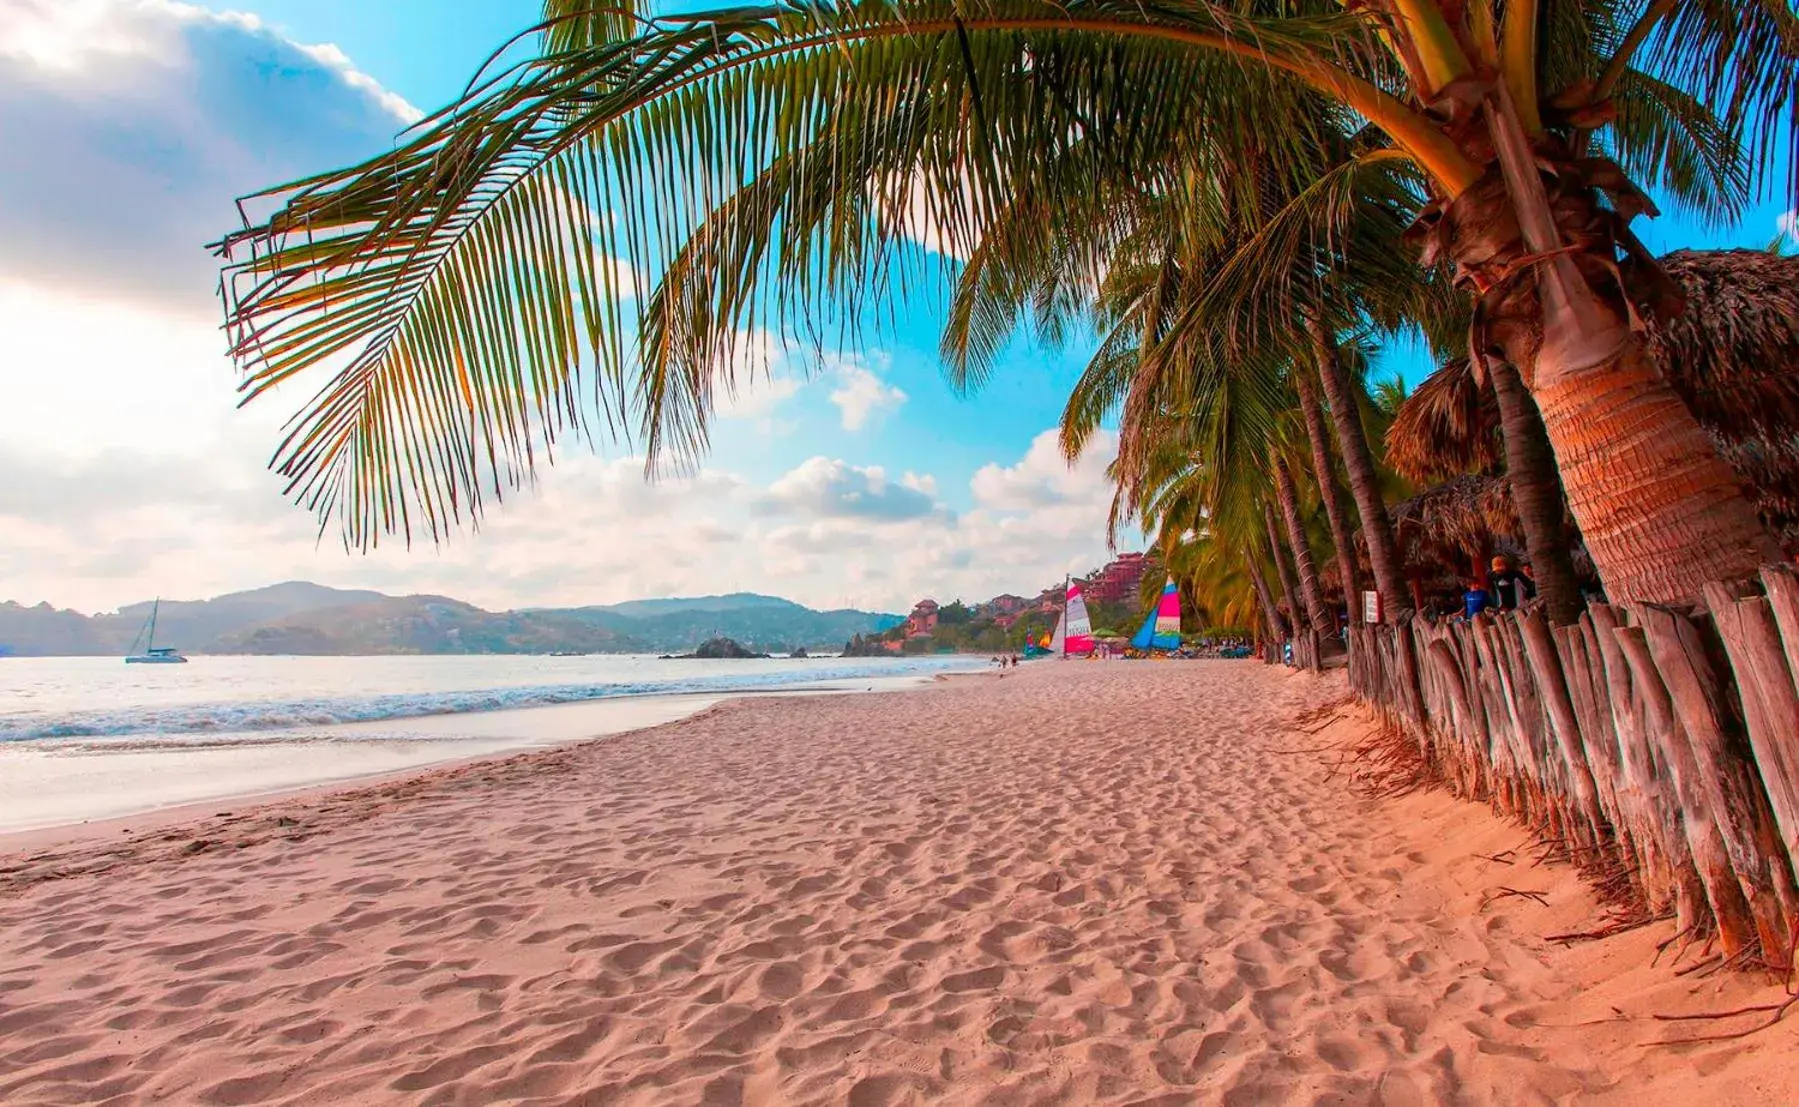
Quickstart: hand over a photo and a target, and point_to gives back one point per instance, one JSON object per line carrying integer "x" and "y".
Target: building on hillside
{"x": 1006, "y": 604}
{"x": 923, "y": 619}
{"x": 1120, "y": 581}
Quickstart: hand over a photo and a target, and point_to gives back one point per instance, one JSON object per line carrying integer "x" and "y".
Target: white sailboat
{"x": 153, "y": 654}
{"x": 1073, "y": 636}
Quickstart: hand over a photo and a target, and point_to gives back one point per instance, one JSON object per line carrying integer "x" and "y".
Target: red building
{"x": 1005, "y": 604}
{"x": 923, "y": 619}
{"x": 1120, "y": 581}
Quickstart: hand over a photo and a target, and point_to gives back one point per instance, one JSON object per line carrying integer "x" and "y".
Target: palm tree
{"x": 1175, "y": 294}
{"x": 457, "y": 285}
{"x": 1728, "y": 358}
{"x": 1287, "y": 493}
{"x": 1324, "y": 469}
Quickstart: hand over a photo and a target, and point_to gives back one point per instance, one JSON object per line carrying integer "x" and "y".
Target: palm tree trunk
{"x": 1322, "y": 619}
{"x": 1284, "y": 569}
{"x": 1271, "y": 615}
{"x": 1335, "y": 510}
{"x": 1537, "y": 494}
{"x": 1661, "y": 512}
{"x": 1364, "y": 482}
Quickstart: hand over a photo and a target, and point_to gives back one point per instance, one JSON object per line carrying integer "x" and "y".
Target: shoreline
{"x": 1073, "y": 884}
{"x": 97, "y": 775}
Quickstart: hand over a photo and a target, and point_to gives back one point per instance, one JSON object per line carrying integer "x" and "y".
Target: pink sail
{"x": 1076, "y": 629}
{"x": 1162, "y": 630}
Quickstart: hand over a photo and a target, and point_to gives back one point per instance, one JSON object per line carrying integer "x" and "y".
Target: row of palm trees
{"x": 1244, "y": 197}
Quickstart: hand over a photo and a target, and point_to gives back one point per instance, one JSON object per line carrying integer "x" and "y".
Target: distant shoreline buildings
{"x": 1119, "y": 582}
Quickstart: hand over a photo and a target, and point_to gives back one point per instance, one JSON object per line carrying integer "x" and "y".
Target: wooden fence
{"x": 1661, "y": 743}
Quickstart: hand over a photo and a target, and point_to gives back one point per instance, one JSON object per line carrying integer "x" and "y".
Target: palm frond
{"x": 1741, "y": 58}
{"x": 478, "y": 292}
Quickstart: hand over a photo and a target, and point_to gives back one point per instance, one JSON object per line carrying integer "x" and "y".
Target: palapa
{"x": 1732, "y": 354}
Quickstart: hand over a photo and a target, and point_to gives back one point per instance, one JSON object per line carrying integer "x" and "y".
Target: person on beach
{"x": 1511, "y": 588}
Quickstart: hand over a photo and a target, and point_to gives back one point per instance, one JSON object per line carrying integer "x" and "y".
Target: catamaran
{"x": 1162, "y": 630}
{"x": 1074, "y": 631}
{"x": 153, "y": 654}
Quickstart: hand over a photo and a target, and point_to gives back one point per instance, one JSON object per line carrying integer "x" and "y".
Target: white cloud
{"x": 128, "y": 128}
{"x": 328, "y": 54}
{"x": 1042, "y": 478}
{"x": 830, "y": 488}
{"x": 117, "y": 526}
{"x": 924, "y": 483}
{"x": 1788, "y": 222}
{"x": 761, "y": 379}
{"x": 861, "y": 395}
{"x": 78, "y": 38}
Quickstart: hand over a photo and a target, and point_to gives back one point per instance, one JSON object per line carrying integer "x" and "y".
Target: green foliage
{"x": 579, "y": 243}
{"x": 954, "y": 614}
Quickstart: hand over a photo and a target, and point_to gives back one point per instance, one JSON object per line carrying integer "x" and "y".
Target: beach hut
{"x": 1732, "y": 354}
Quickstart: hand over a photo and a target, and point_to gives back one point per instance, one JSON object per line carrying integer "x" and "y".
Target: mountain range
{"x": 302, "y": 618}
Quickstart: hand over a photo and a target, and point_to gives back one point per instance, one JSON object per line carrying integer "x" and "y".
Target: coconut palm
{"x": 1209, "y": 552}
{"x": 1182, "y": 285}
{"x": 1730, "y": 358}
{"x": 455, "y": 288}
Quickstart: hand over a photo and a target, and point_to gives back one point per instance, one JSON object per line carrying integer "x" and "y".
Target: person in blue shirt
{"x": 1474, "y": 600}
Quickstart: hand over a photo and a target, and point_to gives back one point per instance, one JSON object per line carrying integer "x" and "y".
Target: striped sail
{"x": 1075, "y": 630}
{"x": 1162, "y": 630}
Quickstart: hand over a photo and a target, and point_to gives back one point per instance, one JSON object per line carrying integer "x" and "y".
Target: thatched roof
{"x": 1734, "y": 352}
{"x": 1733, "y": 355}
{"x": 1449, "y": 425}
{"x": 1461, "y": 518}
{"x": 1448, "y": 525}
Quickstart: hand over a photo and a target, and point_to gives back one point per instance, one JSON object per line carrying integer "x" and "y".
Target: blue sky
{"x": 932, "y": 429}
{"x": 126, "y": 129}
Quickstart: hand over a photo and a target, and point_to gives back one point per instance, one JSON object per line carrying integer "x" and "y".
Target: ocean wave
{"x": 201, "y": 719}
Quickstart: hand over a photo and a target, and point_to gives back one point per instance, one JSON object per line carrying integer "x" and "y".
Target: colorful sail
{"x": 1075, "y": 631}
{"x": 1162, "y": 630}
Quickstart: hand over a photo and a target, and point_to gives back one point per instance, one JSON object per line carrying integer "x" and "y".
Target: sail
{"x": 1055, "y": 640}
{"x": 1162, "y": 630}
{"x": 1075, "y": 631}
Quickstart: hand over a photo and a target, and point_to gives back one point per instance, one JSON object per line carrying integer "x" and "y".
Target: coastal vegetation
{"x": 1246, "y": 201}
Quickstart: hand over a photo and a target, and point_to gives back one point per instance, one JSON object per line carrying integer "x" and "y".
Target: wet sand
{"x": 1079, "y": 883}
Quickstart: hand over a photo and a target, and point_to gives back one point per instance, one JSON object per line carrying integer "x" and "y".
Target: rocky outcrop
{"x": 721, "y": 649}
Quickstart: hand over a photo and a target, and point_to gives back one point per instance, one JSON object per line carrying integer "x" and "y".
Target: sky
{"x": 127, "y": 130}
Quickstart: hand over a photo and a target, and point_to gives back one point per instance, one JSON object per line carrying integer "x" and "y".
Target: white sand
{"x": 1083, "y": 883}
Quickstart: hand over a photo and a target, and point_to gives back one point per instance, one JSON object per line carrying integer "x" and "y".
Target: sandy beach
{"x": 1078, "y": 883}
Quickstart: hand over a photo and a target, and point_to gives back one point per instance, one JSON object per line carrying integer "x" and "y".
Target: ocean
{"x": 84, "y": 738}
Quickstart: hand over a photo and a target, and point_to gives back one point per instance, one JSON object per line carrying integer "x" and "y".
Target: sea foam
{"x": 218, "y": 718}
